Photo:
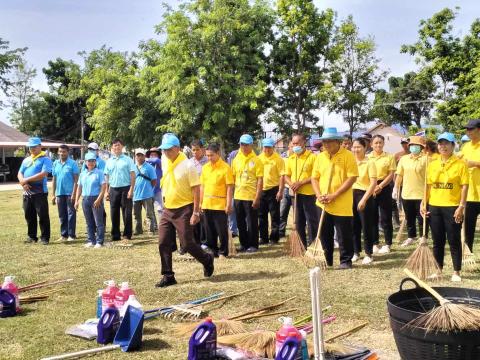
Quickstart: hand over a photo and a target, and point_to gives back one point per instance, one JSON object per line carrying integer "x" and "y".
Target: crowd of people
{"x": 200, "y": 199}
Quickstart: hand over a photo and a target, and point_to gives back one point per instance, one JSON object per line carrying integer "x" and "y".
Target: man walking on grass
{"x": 181, "y": 188}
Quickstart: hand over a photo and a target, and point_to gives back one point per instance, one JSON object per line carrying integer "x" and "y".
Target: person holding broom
{"x": 298, "y": 173}
{"x": 363, "y": 203}
{"x": 447, "y": 188}
{"x": 382, "y": 194}
{"x": 334, "y": 172}
{"x": 216, "y": 197}
{"x": 410, "y": 177}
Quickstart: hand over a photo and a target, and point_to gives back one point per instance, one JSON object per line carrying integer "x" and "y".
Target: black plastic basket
{"x": 415, "y": 343}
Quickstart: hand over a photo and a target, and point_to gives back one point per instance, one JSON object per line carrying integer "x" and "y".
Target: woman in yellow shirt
{"x": 447, "y": 188}
{"x": 363, "y": 204}
{"x": 385, "y": 164}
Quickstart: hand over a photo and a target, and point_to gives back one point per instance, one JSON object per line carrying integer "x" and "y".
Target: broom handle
{"x": 43, "y": 284}
{"x": 320, "y": 224}
{"x": 425, "y": 202}
{"x": 82, "y": 353}
{"x": 348, "y": 332}
{"x": 223, "y": 298}
{"x": 427, "y": 287}
{"x": 257, "y": 316}
{"x": 261, "y": 310}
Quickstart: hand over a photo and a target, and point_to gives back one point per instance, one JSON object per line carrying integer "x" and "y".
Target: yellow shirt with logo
{"x": 366, "y": 171}
{"x": 344, "y": 167}
{"x": 471, "y": 152}
{"x": 273, "y": 170}
{"x": 246, "y": 171}
{"x": 384, "y": 162}
{"x": 412, "y": 168}
{"x": 299, "y": 168}
{"x": 215, "y": 179}
{"x": 178, "y": 193}
{"x": 446, "y": 180}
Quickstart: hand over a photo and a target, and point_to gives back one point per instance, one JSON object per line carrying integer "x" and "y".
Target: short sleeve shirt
{"x": 384, "y": 162}
{"x": 118, "y": 169}
{"x": 91, "y": 182}
{"x": 273, "y": 170}
{"x": 143, "y": 188}
{"x": 31, "y": 167}
{"x": 178, "y": 193}
{"x": 471, "y": 152}
{"x": 246, "y": 172}
{"x": 366, "y": 172}
{"x": 64, "y": 174}
{"x": 412, "y": 169}
{"x": 215, "y": 179}
{"x": 299, "y": 168}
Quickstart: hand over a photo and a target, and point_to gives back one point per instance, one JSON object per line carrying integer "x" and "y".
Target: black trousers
{"x": 444, "y": 227}
{"x": 412, "y": 216}
{"x": 199, "y": 231}
{"x": 285, "y": 206}
{"x": 216, "y": 227}
{"x": 306, "y": 215}
{"x": 472, "y": 210}
{"x": 33, "y": 206}
{"x": 343, "y": 226}
{"x": 383, "y": 214}
{"x": 120, "y": 202}
{"x": 363, "y": 222}
{"x": 269, "y": 205}
{"x": 247, "y": 223}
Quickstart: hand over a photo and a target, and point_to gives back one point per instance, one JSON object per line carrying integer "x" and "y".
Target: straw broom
{"x": 468, "y": 259}
{"x": 232, "y": 251}
{"x": 294, "y": 246}
{"x": 448, "y": 316}
{"x": 400, "y": 234}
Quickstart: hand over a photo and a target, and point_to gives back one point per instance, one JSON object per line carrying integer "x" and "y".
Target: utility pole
{"x": 82, "y": 133}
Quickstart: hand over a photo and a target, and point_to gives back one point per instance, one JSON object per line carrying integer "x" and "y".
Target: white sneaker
{"x": 376, "y": 249}
{"x": 70, "y": 239}
{"x": 98, "y": 246}
{"x": 355, "y": 257}
{"x": 384, "y": 250}
{"x": 456, "y": 278}
{"x": 367, "y": 260}
{"x": 204, "y": 247}
{"x": 88, "y": 245}
{"x": 407, "y": 242}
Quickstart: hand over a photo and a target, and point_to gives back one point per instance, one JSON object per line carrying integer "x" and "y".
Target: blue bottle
{"x": 7, "y": 304}
{"x": 291, "y": 349}
{"x": 99, "y": 304}
{"x": 203, "y": 342}
{"x": 108, "y": 325}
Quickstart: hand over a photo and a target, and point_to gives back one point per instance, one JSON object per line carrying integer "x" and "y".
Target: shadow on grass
{"x": 252, "y": 276}
{"x": 262, "y": 254}
{"x": 154, "y": 345}
{"x": 151, "y": 331}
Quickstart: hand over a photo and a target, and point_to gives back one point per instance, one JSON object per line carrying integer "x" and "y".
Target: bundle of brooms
{"x": 41, "y": 296}
{"x": 42, "y": 284}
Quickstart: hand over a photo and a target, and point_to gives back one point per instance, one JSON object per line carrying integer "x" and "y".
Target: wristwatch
{"x": 196, "y": 213}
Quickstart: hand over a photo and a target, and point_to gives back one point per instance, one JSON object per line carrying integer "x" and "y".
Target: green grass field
{"x": 356, "y": 295}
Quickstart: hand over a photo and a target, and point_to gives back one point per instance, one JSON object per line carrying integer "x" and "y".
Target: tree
{"x": 8, "y": 61}
{"x": 300, "y": 59}
{"x": 356, "y": 75}
{"x": 21, "y": 91}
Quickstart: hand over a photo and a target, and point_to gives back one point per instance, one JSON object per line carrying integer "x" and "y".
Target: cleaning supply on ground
{"x": 8, "y": 306}
{"x": 10, "y": 286}
{"x": 203, "y": 343}
{"x": 108, "y": 325}
{"x": 286, "y": 331}
{"x": 304, "y": 347}
{"x": 108, "y": 295}
{"x": 99, "y": 304}
{"x": 291, "y": 349}
{"x": 132, "y": 301}
{"x": 122, "y": 296}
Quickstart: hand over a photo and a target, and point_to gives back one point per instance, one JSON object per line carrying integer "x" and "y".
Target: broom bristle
{"x": 422, "y": 262}
{"x": 296, "y": 248}
{"x": 224, "y": 327}
{"x": 315, "y": 255}
{"x": 232, "y": 251}
{"x": 400, "y": 233}
{"x": 468, "y": 259}
{"x": 260, "y": 342}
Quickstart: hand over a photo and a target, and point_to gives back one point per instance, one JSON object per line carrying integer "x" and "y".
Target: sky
{"x": 62, "y": 28}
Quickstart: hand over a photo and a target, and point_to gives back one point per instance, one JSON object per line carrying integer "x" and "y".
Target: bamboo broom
{"x": 468, "y": 259}
{"x": 43, "y": 284}
{"x": 400, "y": 234}
{"x": 232, "y": 250}
{"x": 295, "y": 247}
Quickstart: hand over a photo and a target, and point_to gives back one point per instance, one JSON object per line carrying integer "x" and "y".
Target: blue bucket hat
{"x": 90, "y": 156}
{"x": 268, "y": 142}
{"x": 169, "y": 140}
{"x": 331, "y": 133}
{"x": 446, "y": 136}
{"x": 246, "y": 139}
{"x": 34, "y": 141}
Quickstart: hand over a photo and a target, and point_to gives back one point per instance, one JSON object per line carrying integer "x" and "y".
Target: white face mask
{"x": 297, "y": 149}
{"x": 415, "y": 149}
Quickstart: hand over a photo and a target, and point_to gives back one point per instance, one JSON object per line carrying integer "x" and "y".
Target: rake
{"x": 468, "y": 259}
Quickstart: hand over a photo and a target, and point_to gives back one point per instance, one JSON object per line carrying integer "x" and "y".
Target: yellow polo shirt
{"x": 178, "y": 193}
{"x": 446, "y": 180}
{"x": 384, "y": 162}
{"x": 366, "y": 171}
{"x": 300, "y": 168}
{"x": 412, "y": 168}
{"x": 215, "y": 179}
{"x": 273, "y": 170}
{"x": 471, "y": 152}
{"x": 246, "y": 171}
{"x": 345, "y": 167}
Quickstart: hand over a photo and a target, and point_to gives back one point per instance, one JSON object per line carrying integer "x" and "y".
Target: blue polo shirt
{"x": 157, "y": 164}
{"x": 100, "y": 164}
{"x": 91, "y": 182}
{"x": 64, "y": 176}
{"x": 143, "y": 188}
{"x": 118, "y": 169}
{"x": 31, "y": 168}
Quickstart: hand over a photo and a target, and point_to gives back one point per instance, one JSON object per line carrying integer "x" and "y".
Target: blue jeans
{"x": 94, "y": 219}
{"x": 232, "y": 223}
{"x": 67, "y": 215}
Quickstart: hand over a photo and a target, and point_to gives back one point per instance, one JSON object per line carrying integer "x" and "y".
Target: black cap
{"x": 472, "y": 124}
{"x": 367, "y": 136}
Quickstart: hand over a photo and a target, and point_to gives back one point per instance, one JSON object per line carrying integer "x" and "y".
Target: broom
{"x": 448, "y": 316}
{"x": 315, "y": 255}
{"x": 400, "y": 234}
{"x": 294, "y": 245}
{"x": 468, "y": 259}
{"x": 232, "y": 251}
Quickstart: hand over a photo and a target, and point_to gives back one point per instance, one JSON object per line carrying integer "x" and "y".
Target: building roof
{"x": 10, "y": 134}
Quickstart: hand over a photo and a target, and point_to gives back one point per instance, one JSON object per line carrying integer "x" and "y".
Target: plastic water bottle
{"x": 203, "y": 342}
{"x": 291, "y": 349}
{"x": 108, "y": 295}
{"x": 304, "y": 347}
{"x": 121, "y": 297}
{"x": 286, "y": 330}
{"x": 99, "y": 303}
{"x": 10, "y": 286}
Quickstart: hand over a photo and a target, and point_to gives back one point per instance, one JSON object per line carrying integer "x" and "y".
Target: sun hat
{"x": 34, "y": 141}
{"x": 268, "y": 142}
{"x": 93, "y": 146}
{"x": 154, "y": 149}
{"x": 90, "y": 156}
{"x": 446, "y": 136}
{"x": 331, "y": 133}
{"x": 169, "y": 140}
{"x": 140, "y": 151}
{"x": 417, "y": 140}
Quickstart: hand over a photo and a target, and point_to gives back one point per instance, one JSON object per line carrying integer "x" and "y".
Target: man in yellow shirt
{"x": 337, "y": 199}
{"x": 216, "y": 197}
{"x": 298, "y": 173}
{"x": 273, "y": 184}
{"x": 248, "y": 174}
{"x": 471, "y": 153}
{"x": 181, "y": 190}
{"x": 286, "y": 202}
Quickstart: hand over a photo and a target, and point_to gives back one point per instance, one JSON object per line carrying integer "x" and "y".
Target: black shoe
{"x": 181, "y": 251}
{"x": 30, "y": 241}
{"x": 345, "y": 266}
{"x": 166, "y": 281}
{"x": 241, "y": 249}
{"x": 263, "y": 242}
{"x": 44, "y": 242}
{"x": 209, "y": 268}
{"x": 273, "y": 242}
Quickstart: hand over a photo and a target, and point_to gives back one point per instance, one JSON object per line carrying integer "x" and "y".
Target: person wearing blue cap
{"x": 32, "y": 176}
{"x": 64, "y": 186}
{"x": 95, "y": 149}
{"x": 154, "y": 158}
{"x": 273, "y": 185}
{"x": 92, "y": 186}
{"x": 181, "y": 190}
{"x": 447, "y": 188}
{"x": 248, "y": 174}
{"x": 120, "y": 178}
